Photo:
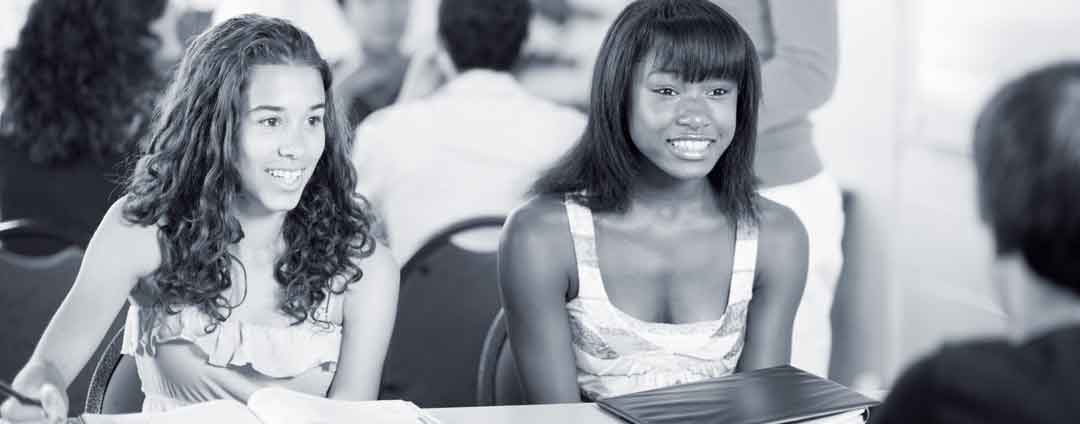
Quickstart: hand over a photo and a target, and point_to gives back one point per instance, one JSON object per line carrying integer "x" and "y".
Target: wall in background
{"x": 897, "y": 134}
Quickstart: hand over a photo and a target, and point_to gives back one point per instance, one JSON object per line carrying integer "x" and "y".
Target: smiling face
{"x": 681, "y": 127}
{"x": 282, "y": 137}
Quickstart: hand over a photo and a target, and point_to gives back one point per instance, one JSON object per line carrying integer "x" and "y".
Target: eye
{"x": 270, "y": 122}
{"x": 315, "y": 120}
{"x": 664, "y": 91}
{"x": 719, "y": 92}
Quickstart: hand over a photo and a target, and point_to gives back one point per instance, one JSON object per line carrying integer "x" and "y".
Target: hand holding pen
{"x": 49, "y": 406}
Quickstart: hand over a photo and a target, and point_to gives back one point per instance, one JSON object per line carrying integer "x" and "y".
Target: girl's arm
{"x": 370, "y": 307}
{"x": 534, "y": 255}
{"x": 778, "y": 288}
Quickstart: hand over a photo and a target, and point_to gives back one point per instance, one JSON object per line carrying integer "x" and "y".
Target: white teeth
{"x": 691, "y": 146}
{"x": 288, "y": 176}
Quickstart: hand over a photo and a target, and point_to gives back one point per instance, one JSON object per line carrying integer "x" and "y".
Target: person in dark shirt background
{"x": 1027, "y": 161}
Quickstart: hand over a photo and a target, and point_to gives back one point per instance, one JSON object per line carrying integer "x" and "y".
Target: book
{"x": 776, "y": 395}
{"x": 273, "y": 405}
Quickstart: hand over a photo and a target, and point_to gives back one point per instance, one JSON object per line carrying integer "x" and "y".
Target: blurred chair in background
{"x": 447, "y": 299}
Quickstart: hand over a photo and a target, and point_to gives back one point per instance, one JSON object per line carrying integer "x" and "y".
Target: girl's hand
{"x": 54, "y": 407}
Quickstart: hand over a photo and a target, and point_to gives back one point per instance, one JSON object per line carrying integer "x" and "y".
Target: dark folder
{"x": 783, "y": 394}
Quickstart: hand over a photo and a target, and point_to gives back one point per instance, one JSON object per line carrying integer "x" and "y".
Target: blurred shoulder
{"x": 565, "y": 117}
{"x": 395, "y": 115}
{"x": 385, "y": 124}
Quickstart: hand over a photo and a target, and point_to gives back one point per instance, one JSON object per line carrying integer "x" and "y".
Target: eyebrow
{"x": 272, "y": 108}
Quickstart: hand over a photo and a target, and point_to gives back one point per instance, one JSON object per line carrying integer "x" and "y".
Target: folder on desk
{"x": 783, "y": 394}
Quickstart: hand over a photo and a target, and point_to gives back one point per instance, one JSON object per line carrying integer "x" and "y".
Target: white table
{"x": 575, "y": 413}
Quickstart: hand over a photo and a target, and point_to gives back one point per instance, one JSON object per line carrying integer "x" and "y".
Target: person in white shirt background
{"x": 465, "y": 138}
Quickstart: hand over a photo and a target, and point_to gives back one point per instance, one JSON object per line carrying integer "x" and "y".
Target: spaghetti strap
{"x": 744, "y": 263}
{"x": 590, "y": 284}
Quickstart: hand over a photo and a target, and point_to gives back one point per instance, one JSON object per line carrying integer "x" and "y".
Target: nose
{"x": 692, "y": 113}
{"x": 292, "y": 147}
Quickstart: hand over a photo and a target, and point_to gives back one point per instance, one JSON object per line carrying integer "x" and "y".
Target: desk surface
{"x": 584, "y": 413}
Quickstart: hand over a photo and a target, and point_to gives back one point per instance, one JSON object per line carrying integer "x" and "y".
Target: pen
{"x": 8, "y": 390}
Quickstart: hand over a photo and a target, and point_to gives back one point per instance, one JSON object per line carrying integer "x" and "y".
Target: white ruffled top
{"x": 181, "y": 363}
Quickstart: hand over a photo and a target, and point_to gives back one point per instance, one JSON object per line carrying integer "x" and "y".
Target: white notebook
{"x": 274, "y": 405}
{"x": 280, "y": 406}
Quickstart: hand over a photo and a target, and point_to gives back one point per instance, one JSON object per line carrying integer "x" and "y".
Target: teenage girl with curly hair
{"x": 247, "y": 258}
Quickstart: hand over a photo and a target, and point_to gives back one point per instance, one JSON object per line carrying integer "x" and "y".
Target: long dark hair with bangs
{"x": 694, "y": 39}
{"x": 80, "y": 81}
{"x": 186, "y": 182}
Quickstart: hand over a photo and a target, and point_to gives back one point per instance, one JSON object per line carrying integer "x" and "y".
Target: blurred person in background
{"x": 563, "y": 42}
{"x": 1027, "y": 168}
{"x": 78, "y": 91}
{"x": 797, "y": 44}
{"x": 324, "y": 20}
{"x": 465, "y": 138}
{"x": 372, "y": 79}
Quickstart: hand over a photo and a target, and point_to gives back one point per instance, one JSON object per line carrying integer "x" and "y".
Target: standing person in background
{"x": 1027, "y": 151}
{"x": 466, "y": 139}
{"x": 648, "y": 259}
{"x": 373, "y": 79}
{"x": 797, "y": 43}
{"x": 79, "y": 88}
{"x": 247, "y": 258}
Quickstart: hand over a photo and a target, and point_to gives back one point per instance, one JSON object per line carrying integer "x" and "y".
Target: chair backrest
{"x": 33, "y": 288}
{"x": 497, "y": 381}
{"x": 33, "y": 230}
{"x": 114, "y": 387}
{"x": 447, "y": 298}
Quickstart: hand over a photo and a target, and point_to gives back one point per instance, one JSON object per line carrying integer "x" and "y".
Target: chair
{"x": 114, "y": 387}
{"x": 33, "y": 288}
{"x": 30, "y": 229}
{"x": 497, "y": 381}
{"x": 447, "y": 298}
